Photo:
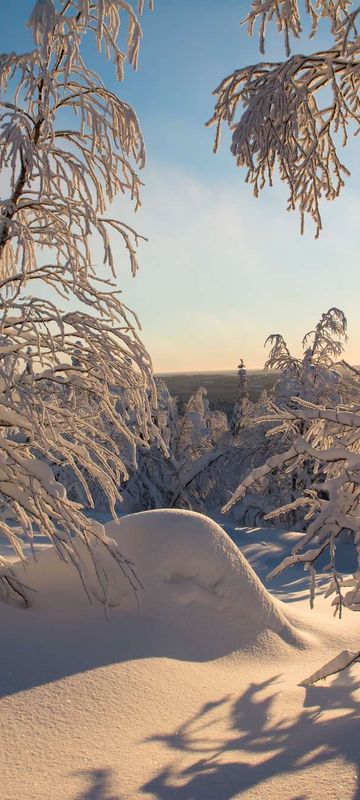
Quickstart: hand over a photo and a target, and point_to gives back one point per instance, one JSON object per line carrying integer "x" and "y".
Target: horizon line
{"x": 160, "y": 373}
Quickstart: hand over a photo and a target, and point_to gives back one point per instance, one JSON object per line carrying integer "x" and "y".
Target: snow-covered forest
{"x": 159, "y": 557}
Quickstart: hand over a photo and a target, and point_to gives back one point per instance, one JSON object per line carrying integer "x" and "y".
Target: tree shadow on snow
{"x": 99, "y": 785}
{"x": 255, "y": 750}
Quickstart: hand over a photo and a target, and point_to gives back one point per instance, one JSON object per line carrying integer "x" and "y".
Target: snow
{"x": 195, "y": 698}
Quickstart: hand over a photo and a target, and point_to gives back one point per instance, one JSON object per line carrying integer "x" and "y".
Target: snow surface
{"x": 195, "y": 698}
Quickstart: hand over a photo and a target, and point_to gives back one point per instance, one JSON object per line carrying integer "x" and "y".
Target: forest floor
{"x": 197, "y": 697}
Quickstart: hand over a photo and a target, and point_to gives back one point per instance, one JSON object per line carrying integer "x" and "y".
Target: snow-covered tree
{"x": 263, "y": 398}
{"x": 242, "y": 380}
{"x": 68, "y": 147}
{"x": 182, "y": 474}
{"x": 332, "y": 443}
{"x": 317, "y": 462}
{"x": 242, "y": 404}
{"x": 292, "y": 117}
{"x": 151, "y": 477}
{"x": 311, "y": 470}
{"x": 313, "y": 376}
{"x": 201, "y": 440}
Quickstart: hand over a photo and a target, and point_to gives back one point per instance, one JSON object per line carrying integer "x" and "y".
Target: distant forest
{"x": 221, "y": 387}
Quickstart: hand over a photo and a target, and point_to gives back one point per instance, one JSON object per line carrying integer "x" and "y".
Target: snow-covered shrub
{"x": 315, "y": 376}
{"x": 194, "y": 439}
{"x": 71, "y": 357}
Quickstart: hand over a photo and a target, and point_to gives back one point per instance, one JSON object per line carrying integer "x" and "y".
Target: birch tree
{"x": 195, "y": 440}
{"x": 68, "y": 148}
{"x": 293, "y": 117}
{"x": 322, "y": 454}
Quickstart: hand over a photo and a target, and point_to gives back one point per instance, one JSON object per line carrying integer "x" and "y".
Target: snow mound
{"x": 193, "y": 572}
{"x": 201, "y": 597}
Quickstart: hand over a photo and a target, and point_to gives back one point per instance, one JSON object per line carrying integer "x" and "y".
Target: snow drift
{"x": 201, "y": 600}
{"x": 196, "y": 579}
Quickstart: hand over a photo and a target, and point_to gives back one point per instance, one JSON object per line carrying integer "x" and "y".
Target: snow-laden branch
{"x": 292, "y": 113}
{"x": 76, "y": 389}
{"x": 323, "y": 459}
{"x": 299, "y": 448}
{"x": 287, "y": 17}
{"x": 349, "y": 419}
{"x": 341, "y": 662}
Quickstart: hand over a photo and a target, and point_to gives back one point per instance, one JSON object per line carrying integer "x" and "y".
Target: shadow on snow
{"x": 98, "y": 785}
{"x": 255, "y": 750}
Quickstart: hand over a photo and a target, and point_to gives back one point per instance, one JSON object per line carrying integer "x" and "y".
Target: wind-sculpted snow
{"x": 200, "y": 596}
{"x": 196, "y": 578}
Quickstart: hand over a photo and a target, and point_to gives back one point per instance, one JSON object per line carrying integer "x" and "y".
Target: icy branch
{"x": 76, "y": 387}
{"x": 288, "y": 124}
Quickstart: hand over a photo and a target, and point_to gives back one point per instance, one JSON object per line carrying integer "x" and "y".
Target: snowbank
{"x": 196, "y": 578}
{"x": 198, "y": 587}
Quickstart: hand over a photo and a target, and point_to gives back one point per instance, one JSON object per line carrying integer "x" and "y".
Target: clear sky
{"x": 221, "y": 270}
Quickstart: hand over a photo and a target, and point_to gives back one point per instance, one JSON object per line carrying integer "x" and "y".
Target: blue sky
{"x": 221, "y": 270}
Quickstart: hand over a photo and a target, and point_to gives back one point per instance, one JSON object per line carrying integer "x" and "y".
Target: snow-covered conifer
{"x": 242, "y": 380}
{"x": 242, "y": 404}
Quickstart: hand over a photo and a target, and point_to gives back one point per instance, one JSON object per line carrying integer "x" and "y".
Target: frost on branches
{"x": 68, "y": 147}
{"x": 294, "y": 116}
{"x": 326, "y": 443}
{"x": 196, "y": 440}
{"x": 312, "y": 377}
